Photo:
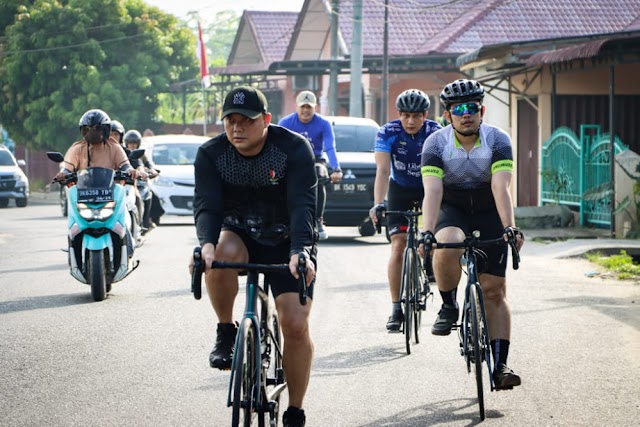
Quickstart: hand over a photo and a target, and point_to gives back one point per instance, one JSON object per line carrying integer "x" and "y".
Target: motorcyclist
{"x": 117, "y": 132}
{"x": 132, "y": 141}
{"x": 96, "y": 148}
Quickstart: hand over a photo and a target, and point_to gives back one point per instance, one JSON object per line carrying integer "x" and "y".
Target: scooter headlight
{"x": 96, "y": 214}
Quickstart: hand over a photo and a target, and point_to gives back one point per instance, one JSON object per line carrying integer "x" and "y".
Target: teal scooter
{"x": 100, "y": 242}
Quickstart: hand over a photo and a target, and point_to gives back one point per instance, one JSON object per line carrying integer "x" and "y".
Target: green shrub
{"x": 622, "y": 264}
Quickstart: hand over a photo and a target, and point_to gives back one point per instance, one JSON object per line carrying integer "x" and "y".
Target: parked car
{"x": 174, "y": 156}
{"x": 14, "y": 184}
{"x": 348, "y": 201}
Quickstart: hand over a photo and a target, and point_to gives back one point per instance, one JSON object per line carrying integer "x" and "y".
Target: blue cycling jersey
{"x": 405, "y": 151}
{"x": 318, "y": 131}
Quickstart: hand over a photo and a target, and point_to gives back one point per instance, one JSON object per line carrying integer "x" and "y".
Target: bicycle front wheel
{"x": 419, "y": 299}
{"x": 274, "y": 373}
{"x": 245, "y": 377}
{"x": 408, "y": 289}
{"x": 477, "y": 332}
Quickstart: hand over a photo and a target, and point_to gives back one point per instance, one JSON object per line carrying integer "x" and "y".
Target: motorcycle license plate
{"x": 95, "y": 195}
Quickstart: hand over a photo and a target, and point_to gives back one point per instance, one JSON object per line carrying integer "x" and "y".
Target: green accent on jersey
{"x": 432, "y": 171}
{"x": 502, "y": 165}
{"x": 458, "y": 145}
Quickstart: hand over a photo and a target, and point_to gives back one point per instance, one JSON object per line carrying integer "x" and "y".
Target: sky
{"x": 207, "y": 8}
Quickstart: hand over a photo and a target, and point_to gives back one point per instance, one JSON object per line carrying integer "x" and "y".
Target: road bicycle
{"x": 473, "y": 332}
{"x": 257, "y": 377}
{"x": 415, "y": 288}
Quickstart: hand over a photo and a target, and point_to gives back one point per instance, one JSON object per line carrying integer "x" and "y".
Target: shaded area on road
{"x": 438, "y": 413}
{"x": 45, "y": 301}
{"x": 53, "y": 267}
{"x": 622, "y": 310}
{"x": 344, "y": 363}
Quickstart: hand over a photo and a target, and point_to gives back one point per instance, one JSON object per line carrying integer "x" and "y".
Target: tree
{"x": 179, "y": 106}
{"x": 62, "y": 58}
{"x": 8, "y": 12}
{"x": 221, "y": 34}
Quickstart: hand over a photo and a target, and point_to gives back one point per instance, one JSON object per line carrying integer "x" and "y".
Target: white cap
{"x": 306, "y": 97}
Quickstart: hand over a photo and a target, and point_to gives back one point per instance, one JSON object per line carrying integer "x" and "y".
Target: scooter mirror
{"x": 55, "y": 156}
{"x": 136, "y": 154}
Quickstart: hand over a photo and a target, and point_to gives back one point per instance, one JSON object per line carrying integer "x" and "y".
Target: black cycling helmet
{"x": 117, "y": 126}
{"x": 412, "y": 101}
{"x": 133, "y": 136}
{"x": 97, "y": 117}
{"x": 461, "y": 90}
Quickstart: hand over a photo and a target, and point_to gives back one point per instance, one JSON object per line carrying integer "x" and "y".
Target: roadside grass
{"x": 621, "y": 264}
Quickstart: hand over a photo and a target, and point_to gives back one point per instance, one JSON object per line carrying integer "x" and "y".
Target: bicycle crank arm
{"x": 273, "y": 394}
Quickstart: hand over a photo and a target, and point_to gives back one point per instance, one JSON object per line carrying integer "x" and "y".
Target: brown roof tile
{"x": 418, "y": 27}
{"x": 271, "y": 31}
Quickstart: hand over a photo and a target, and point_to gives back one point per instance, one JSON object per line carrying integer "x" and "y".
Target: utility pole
{"x": 385, "y": 66}
{"x": 333, "y": 75}
{"x": 355, "y": 93}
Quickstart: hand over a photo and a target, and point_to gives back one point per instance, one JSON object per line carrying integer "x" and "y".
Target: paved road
{"x": 139, "y": 358}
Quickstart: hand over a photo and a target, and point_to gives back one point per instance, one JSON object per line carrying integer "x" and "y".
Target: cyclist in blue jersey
{"x": 467, "y": 169}
{"x": 319, "y": 132}
{"x": 397, "y": 153}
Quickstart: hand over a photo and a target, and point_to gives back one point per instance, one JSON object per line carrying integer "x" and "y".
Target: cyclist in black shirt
{"x": 255, "y": 201}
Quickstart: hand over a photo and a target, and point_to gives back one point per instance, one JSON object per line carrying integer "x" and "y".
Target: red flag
{"x": 202, "y": 56}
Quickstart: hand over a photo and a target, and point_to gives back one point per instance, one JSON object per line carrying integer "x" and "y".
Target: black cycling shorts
{"x": 279, "y": 254}
{"x": 401, "y": 199}
{"x": 490, "y": 227}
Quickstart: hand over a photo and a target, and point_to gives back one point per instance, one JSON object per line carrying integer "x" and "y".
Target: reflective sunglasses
{"x": 470, "y": 108}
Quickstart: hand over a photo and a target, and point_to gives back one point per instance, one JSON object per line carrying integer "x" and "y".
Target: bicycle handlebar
{"x": 473, "y": 241}
{"x": 404, "y": 213}
{"x": 407, "y": 214}
{"x": 198, "y": 269}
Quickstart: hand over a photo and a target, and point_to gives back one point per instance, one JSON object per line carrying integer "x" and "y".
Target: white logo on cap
{"x": 238, "y": 98}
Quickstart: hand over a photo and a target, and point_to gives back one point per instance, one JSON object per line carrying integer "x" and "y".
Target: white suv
{"x": 14, "y": 184}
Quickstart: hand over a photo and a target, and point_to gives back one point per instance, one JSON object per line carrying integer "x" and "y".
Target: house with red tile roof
{"x": 544, "y": 63}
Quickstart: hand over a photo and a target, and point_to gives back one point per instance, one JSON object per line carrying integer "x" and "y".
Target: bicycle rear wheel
{"x": 477, "y": 321}
{"x": 408, "y": 289}
{"x": 245, "y": 377}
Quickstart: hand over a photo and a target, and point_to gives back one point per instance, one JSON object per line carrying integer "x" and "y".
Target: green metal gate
{"x": 576, "y": 172}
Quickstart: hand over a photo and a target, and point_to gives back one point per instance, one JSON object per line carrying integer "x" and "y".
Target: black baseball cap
{"x": 245, "y": 100}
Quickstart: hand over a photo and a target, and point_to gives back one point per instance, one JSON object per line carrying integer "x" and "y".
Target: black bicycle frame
{"x": 472, "y": 280}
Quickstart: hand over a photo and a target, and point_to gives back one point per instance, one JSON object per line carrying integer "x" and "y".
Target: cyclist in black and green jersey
{"x": 466, "y": 170}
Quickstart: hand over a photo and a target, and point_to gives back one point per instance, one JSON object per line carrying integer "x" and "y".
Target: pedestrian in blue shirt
{"x": 319, "y": 132}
